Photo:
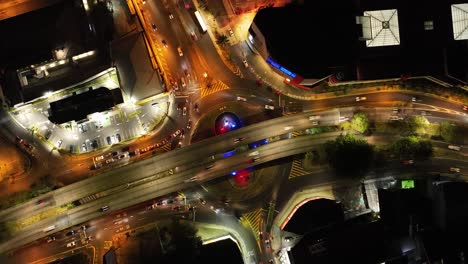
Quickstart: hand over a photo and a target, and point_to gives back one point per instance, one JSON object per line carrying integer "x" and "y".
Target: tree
{"x": 360, "y": 122}
{"x": 349, "y": 156}
{"x": 180, "y": 242}
{"x": 222, "y": 40}
{"x": 412, "y": 148}
{"x": 450, "y": 132}
{"x": 417, "y": 124}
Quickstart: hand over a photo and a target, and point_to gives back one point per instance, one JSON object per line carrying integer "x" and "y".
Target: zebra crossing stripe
{"x": 216, "y": 86}
{"x": 297, "y": 170}
{"x": 253, "y": 220}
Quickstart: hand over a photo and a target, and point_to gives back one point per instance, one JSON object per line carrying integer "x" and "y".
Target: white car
{"x": 179, "y": 49}
{"x": 269, "y": 107}
{"x": 315, "y": 123}
{"x": 246, "y": 64}
{"x": 315, "y": 117}
{"x": 362, "y": 98}
{"x": 71, "y": 244}
{"x": 241, "y": 99}
{"x": 184, "y": 111}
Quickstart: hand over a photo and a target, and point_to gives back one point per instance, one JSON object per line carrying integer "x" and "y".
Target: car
{"x": 465, "y": 107}
{"x": 41, "y": 201}
{"x": 164, "y": 43}
{"x": 454, "y": 169}
{"x": 71, "y": 233}
{"x": 109, "y": 141}
{"x": 176, "y": 208}
{"x": 396, "y": 110}
{"x": 246, "y": 64}
{"x": 94, "y": 144}
{"x": 50, "y": 239}
{"x": 154, "y": 27}
{"x": 269, "y": 107}
{"x": 84, "y": 148}
{"x": 414, "y": 99}
{"x": 182, "y": 82}
{"x": 396, "y": 118}
{"x": 231, "y": 32}
{"x": 360, "y": 98}
{"x": 184, "y": 111}
{"x": 209, "y": 166}
{"x": 314, "y": 117}
{"x": 408, "y": 162}
{"x": 48, "y": 134}
{"x": 179, "y": 50}
{"x": 119, "y": 138}
{"x": 171, "y": 16}
{"x": 288, "y": 238}
{"x": 239, "y": 98}
{"x": 237, "y": 140}
{"x": 189, "y": 124}
{"x": 71, "y": 244}
{"x": 202, "y": 201}
{"x": 187, "y": 74}
{"x": 315, "y": 123}
{"x": 252, "y": 160}
{"x": 194, "y": 36}
{"x": 59, "y": 143}
{"x": 104, "y": 208}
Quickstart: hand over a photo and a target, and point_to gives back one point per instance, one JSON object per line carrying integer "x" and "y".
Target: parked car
{"x": 179, "y": 50}
{"x": 164, "y": 43}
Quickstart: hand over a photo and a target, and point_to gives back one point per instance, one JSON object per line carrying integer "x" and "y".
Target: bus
{"x": 201, "y": 22}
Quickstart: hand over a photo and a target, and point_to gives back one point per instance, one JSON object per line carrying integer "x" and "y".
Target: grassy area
{"x": 20, "y": 224}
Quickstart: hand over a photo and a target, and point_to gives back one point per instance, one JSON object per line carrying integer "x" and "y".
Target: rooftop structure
{"x": 460, "y": 21}
{"x": 380, "y": 28}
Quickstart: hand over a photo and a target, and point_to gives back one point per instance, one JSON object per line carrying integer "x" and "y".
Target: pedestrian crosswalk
{"x": 166, "y": 148}
{"x": 253, "y": 220}
{"x": 89, "y": 198}
{"x": 215, "y": 86}
{"x": 297, "y": 170}
{"x": 296, "y": 133}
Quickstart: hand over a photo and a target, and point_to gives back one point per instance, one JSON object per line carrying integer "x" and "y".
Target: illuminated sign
{"x": 281, "y": 68}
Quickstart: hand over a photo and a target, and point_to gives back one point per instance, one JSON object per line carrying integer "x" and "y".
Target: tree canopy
{"x": 180, "y": 242}
{"x": 412, "y": 148}
{"x": 450, "y": 133}
{"x": 360, "y": 122}
{"x": 349, "y": 156}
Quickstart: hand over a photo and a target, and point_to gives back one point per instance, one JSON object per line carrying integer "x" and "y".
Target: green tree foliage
{"x": 360, "y": 122}
{"x": 180, "y": 242}
{"x": 222, "y": 40}
{"x": 412, "y": 148}
{"x": 417, "y": 125}
{"x": 349, "y": 156}
{"x": 451, "y": 133}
